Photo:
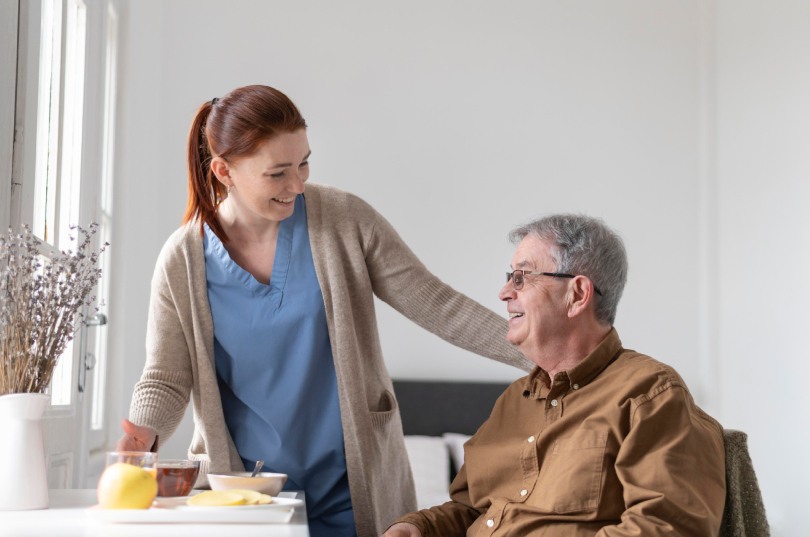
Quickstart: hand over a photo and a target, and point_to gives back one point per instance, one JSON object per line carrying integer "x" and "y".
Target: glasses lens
{"x": 517, "y": 278}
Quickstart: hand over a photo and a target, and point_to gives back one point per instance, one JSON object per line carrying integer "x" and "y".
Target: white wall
{"x": 763, "y": 165}
{"x": 460, "y": 120}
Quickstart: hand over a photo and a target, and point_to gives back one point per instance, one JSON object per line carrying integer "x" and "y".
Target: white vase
{"x": 23, "y": 470}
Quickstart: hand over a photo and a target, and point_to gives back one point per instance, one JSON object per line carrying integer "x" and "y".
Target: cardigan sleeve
{"x": 400, "y": 279}
{"x": 162, "y": 394}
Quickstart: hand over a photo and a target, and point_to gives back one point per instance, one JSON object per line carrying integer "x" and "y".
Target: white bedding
{"x": 430, "y": 458}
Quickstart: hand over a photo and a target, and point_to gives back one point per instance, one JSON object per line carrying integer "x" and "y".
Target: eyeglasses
{"x": 518, "y": 277}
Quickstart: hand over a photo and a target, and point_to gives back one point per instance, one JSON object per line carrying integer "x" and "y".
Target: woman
{"x": 262, "y": 309}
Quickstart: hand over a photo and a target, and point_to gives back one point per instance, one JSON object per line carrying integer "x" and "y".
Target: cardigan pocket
{"x": 385, "y": 411}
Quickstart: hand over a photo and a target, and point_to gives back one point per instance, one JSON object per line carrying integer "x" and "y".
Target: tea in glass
{"x": 176, "y": 477}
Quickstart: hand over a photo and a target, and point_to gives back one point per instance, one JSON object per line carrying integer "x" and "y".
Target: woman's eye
{"x": 278, "y": 175}
{"x": 304, "y": 164}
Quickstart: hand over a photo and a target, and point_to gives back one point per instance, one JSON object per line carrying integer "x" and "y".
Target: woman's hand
{"x": 136, "y": 437}
{"x": 402, "y": 529}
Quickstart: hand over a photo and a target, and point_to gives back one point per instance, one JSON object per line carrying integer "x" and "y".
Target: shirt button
{"x": 575, "y": 386}
{"x": 524, "y": 492}
{"x": 490, "y": 523}
{"x": 553, "y": 402}
{"x": 530, "y": 440}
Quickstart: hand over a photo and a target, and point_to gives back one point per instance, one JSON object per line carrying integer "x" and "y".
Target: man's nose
{"x": 507, "y": 292}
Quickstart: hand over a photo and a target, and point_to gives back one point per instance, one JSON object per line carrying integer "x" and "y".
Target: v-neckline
{"x": 282, "y": 258}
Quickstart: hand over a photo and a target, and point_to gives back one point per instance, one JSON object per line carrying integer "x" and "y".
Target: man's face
{"x": 538, "y": 311}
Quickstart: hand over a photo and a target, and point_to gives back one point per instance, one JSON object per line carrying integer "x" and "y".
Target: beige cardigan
{"x": 357, "y": 255}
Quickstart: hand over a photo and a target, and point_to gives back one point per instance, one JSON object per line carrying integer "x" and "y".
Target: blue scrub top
{"x": 276, "y": 374}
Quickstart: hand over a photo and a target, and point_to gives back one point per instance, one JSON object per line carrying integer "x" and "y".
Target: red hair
{"x": 232, "y": 126}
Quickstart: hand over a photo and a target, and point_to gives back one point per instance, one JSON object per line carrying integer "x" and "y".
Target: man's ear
{"x": 222, "y": 171}
{"x": 580, "y": 295}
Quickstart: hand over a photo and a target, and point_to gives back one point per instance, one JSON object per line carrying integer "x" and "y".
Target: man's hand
{"x": 136, "y": 438}
{"x": 403, "y": 529}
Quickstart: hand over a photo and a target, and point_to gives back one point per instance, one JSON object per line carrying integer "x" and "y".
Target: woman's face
{"x": 264, "y": 185}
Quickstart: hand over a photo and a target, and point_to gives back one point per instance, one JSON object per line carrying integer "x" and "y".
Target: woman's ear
{"x": 222, "y": 171}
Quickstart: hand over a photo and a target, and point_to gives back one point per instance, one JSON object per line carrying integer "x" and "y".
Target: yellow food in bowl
{"x": 265, "y": 482}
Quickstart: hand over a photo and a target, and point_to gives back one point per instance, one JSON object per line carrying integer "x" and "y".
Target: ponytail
{"x": 204, "y": 189}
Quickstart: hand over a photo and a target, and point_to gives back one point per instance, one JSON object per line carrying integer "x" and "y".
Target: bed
{"x": 437, "y": 418}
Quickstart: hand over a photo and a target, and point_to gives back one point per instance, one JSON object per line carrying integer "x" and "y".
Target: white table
{"x": 68, "y": 517}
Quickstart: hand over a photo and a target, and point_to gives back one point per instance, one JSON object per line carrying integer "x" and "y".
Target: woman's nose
{"x": 297, "y": 183}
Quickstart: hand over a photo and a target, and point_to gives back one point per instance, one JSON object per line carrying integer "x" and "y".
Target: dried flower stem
{"x": 40, "y": 300}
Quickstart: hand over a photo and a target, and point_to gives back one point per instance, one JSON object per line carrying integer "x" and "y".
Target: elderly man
{"x": 598, "y": 439}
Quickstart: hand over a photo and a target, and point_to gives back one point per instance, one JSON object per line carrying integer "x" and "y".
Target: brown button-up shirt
{"x": 615, "y": 446}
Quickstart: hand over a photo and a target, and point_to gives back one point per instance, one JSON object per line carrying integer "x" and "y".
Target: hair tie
{"x": 214, "y": 101}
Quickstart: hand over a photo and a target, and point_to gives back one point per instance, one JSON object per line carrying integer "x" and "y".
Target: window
{"x": 47, "y": 128}
{"x": 106, "y": 211}
{"x": 57, "y": 186}
{"x": 62, "y": 97}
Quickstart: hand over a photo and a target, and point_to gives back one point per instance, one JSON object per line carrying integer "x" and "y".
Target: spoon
{"x": 258, "y": 467}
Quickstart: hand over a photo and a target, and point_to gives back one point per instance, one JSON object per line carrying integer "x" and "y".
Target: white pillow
{"x": 455, "y": 443}
{"x": 430, "y": 463}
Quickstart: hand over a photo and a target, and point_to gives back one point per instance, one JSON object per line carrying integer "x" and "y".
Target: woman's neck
{"x": 243, "y": 229}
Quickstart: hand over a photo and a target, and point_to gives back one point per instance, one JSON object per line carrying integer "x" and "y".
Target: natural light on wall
{"x": 59, "y": 143}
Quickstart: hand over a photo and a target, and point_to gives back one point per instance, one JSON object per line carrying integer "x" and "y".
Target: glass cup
{"x": 143, "y": 459}
{"x": 176, "y": 477}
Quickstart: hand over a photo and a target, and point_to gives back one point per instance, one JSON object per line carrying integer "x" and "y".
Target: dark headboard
{"x": 432, "y": 408}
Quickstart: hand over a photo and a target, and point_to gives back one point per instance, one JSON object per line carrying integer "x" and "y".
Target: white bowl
{"x": 265, "y": 482}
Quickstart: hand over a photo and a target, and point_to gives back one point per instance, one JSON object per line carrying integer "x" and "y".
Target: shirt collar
{"x": 582, "y": 373}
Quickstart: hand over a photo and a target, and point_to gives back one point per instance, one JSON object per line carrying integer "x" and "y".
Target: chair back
{"x": 744, "y": 514}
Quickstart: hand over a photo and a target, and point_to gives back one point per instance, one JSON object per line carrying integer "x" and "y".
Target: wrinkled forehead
{"x": 532, "y": 252}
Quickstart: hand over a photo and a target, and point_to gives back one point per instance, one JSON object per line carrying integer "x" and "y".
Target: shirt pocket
{"x": 571, "y": 475}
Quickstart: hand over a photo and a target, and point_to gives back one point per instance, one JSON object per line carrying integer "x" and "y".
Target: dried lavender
{"x": 40, "y": 300}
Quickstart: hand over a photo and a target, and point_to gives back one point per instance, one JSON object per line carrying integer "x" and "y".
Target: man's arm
{"x": 672, "y": 468}
{"x": 448, "y": 520}
{"x": 402, "y": 529}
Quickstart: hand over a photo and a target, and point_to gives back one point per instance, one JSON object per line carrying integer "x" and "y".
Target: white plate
{"x": 174, "y": 510}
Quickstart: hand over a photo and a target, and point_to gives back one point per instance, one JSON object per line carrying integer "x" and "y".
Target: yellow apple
{"x": 125, "y": 486}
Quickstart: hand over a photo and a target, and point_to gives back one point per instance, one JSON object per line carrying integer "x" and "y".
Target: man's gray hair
{"x": 584, "y": 245}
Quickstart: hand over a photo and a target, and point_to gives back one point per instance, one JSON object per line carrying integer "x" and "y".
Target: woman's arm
{"x": 400, "y": 279}
{"x": 161, "y": 395}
